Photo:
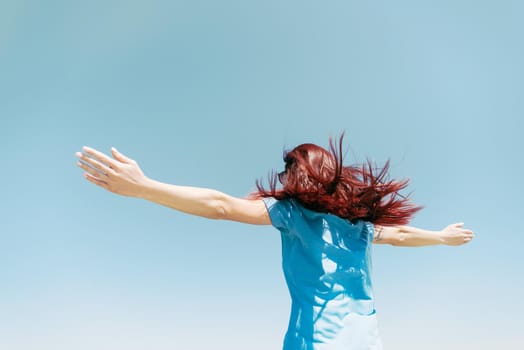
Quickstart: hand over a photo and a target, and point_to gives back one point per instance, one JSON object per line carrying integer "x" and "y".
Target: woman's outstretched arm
{"x": 407, "y": 236}
{"x": 123, "y": 176}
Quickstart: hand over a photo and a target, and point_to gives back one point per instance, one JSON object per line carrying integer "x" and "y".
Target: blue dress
{"x": 327, "y": 267}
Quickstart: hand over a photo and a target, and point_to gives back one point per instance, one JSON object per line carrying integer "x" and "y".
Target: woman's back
{"x": 327, "y": 266}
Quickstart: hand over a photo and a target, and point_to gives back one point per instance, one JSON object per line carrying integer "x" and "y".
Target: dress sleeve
{"x": 280, "y": 212}
{"x": 370, "y": 230}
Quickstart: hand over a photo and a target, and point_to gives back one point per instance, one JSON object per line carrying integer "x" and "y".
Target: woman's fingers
{"x": 468, "y": 235}
{"x": 119, "y": 156}
{"x": 96, "y": 181}
{"x": 91, "y": 170}
{"x": 101, "y": 157}
{"x": 90, "y": 164}
{"x": 97, "y": 162}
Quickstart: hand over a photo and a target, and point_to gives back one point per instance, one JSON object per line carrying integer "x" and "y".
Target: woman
{"x": 328, "y": 216}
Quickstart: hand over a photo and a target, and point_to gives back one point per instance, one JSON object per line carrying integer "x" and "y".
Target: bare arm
{"x": 205, "y": 202}
{"x": 407, "y": 236}
{"x": 123, "y": 176}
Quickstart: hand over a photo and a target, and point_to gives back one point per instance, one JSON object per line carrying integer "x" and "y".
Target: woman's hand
{"x": 455, "y": 234}
{"x": 120, "y": 175}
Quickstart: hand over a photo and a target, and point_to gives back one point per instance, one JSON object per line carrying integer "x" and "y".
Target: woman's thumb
{"x": 119, "y": 156}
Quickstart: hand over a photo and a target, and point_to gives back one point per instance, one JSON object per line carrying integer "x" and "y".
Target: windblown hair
{"x": 317, "y": 179}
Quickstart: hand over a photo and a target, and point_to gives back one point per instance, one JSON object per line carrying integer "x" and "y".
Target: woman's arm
{"x": 205, "y": 202}
{"x": 406, "y": 236}
{"x": 123, "y": 176}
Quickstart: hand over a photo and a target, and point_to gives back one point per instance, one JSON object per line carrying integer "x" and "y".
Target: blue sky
{"x": 209, "y": 93}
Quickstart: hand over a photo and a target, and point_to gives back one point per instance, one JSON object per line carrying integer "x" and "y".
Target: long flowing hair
{"x": 317, "y": 179}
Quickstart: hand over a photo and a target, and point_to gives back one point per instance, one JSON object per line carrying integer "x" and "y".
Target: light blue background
{"x": 209, "y": 93}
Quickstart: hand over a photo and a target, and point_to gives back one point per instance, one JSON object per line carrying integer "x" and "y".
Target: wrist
{"x": 441, "y": 237}
{"x": 144, "y": 188}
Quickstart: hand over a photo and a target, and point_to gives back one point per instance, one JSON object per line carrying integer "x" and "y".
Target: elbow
{"x": 218, "y": 208}
{"x": 219, "y": 212}
{"x": 399, "y": 238}
{"x": 399, "y": 241}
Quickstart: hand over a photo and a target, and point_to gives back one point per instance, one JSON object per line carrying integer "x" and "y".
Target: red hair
{"x": 318, "y": 179}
